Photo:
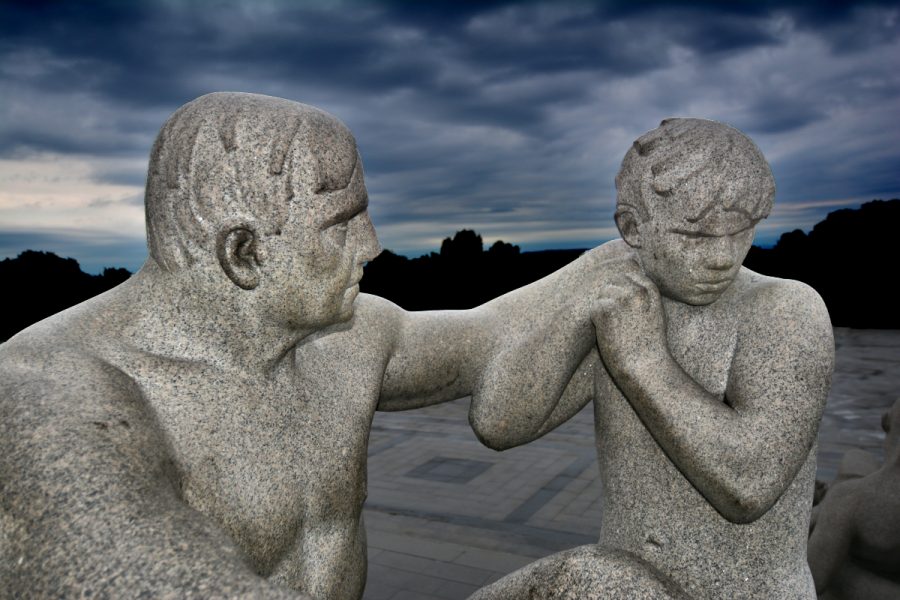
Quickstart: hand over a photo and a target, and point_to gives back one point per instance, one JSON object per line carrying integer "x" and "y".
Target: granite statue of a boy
{"x": 708, "y": 390}
{"x": 201, "y": 430}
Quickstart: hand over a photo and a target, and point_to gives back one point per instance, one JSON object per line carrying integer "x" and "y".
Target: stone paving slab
{"x": 445, "y": 515}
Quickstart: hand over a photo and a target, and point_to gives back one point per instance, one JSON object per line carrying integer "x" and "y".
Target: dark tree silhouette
{"x": 39, "y": 284}
{"x": 850, "y": 258}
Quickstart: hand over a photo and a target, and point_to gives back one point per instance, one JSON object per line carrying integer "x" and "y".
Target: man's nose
{"x": 369, "y": 246}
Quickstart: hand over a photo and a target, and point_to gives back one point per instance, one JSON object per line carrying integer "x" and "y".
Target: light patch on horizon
{"x": 53, "y": 192}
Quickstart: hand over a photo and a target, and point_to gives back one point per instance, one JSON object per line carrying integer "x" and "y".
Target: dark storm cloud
{"x": 156, "y": 56}
{"x": 471, "y": 112}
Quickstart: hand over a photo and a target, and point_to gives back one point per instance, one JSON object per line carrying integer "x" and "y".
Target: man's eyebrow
{"x": 348, "y": 212}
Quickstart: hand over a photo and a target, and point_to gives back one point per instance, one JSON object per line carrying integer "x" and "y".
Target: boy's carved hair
{"x": 685, "y": 160}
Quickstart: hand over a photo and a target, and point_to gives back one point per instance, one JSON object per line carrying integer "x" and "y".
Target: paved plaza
{"x": 445, "y": 515}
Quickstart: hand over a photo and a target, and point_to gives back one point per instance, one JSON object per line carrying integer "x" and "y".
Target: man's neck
{"x": 182, "y": 316}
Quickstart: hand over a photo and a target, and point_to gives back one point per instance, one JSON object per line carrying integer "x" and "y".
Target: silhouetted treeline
{"x": 850, "y": 258}
{"x": 463, "y": 275}
{"x": 39, "y": 284}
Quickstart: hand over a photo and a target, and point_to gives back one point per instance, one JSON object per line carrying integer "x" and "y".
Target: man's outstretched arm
{"x": 89, "y": 507}
{"x": 516, "y": 354}
{"x": 743, "y": 453}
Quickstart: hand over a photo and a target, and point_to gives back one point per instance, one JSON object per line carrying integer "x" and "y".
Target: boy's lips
{"x": 715, "y": 285}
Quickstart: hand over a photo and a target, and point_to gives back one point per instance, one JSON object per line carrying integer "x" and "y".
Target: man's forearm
{"x": 522, "y": 346}
{"x": 543, "y": 375}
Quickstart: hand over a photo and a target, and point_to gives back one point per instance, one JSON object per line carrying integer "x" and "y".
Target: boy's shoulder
{"x": 777, "y": 312}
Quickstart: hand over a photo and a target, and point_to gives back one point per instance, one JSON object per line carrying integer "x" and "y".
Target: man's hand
{"x": 628, "y": 317}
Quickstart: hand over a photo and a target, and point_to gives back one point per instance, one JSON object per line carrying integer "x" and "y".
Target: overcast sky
{"x": 507, "y": 118}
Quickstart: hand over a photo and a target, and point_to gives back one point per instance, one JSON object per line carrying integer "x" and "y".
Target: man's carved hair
{"x": 231, "y": 158}
{"x": 685, "y": 159}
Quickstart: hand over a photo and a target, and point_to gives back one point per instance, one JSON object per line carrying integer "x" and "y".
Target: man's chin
{"x": 348, "y": 304}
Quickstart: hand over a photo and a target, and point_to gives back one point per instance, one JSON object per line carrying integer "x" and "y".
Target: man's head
{"x": 690, "y": 193}
{"x": 269, "y": 193}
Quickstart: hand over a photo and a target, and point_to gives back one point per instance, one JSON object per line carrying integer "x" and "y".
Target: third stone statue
{"x": 709, "y": 382}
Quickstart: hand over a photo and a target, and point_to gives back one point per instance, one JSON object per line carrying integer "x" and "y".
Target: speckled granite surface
{"x": 201, "y": 430}
{"x": 442, "y": 540}
{"x": 708, "y": 392}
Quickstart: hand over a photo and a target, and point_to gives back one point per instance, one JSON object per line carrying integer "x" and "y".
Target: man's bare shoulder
{"x": 374, "y": 315}
{"x": 368, "y": 307}
{"x": 372, "y": 331}
{"x": 60, "y": 392}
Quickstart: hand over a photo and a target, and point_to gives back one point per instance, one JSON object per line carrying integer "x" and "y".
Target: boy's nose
{"x": 721, "y": 257}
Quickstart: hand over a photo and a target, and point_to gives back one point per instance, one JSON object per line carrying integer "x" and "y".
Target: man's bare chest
{"x": 264, "y": 458}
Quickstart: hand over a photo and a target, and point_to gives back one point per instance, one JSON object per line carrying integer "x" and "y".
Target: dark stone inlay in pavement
{"x": 395, "y": 439}
{"x": 526, "y": 510}
{"x": 450, "y": 470}
{"x": 552, "y": 540}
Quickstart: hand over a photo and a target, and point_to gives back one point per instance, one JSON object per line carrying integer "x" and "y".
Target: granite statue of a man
{"x": 709, "y": 384}
{"x": 201, "y": 430}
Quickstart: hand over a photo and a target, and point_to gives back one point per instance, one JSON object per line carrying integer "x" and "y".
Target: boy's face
{"x": 694, "y": 260}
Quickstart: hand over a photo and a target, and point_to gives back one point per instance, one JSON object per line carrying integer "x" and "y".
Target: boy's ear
{"x": 629, "y": 224}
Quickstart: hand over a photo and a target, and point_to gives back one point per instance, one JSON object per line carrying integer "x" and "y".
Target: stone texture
{"x": 409, "y": 517}
{"x": 709, "y": 382}
{"x": 853, "y": 547}
{"x": 201, "y": 429}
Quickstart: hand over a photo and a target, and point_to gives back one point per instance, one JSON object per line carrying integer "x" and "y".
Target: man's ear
{"x": 629, "y": 224}
{"x": 238, "y": 255}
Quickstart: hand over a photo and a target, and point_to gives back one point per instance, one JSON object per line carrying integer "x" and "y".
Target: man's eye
{"x": 338, "y": 232}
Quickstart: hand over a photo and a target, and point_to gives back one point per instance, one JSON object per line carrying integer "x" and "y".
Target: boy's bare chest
{"x": 703, "y": 342}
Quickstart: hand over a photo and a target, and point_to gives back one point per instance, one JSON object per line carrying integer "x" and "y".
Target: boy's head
{"x": 690, "y": 193}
